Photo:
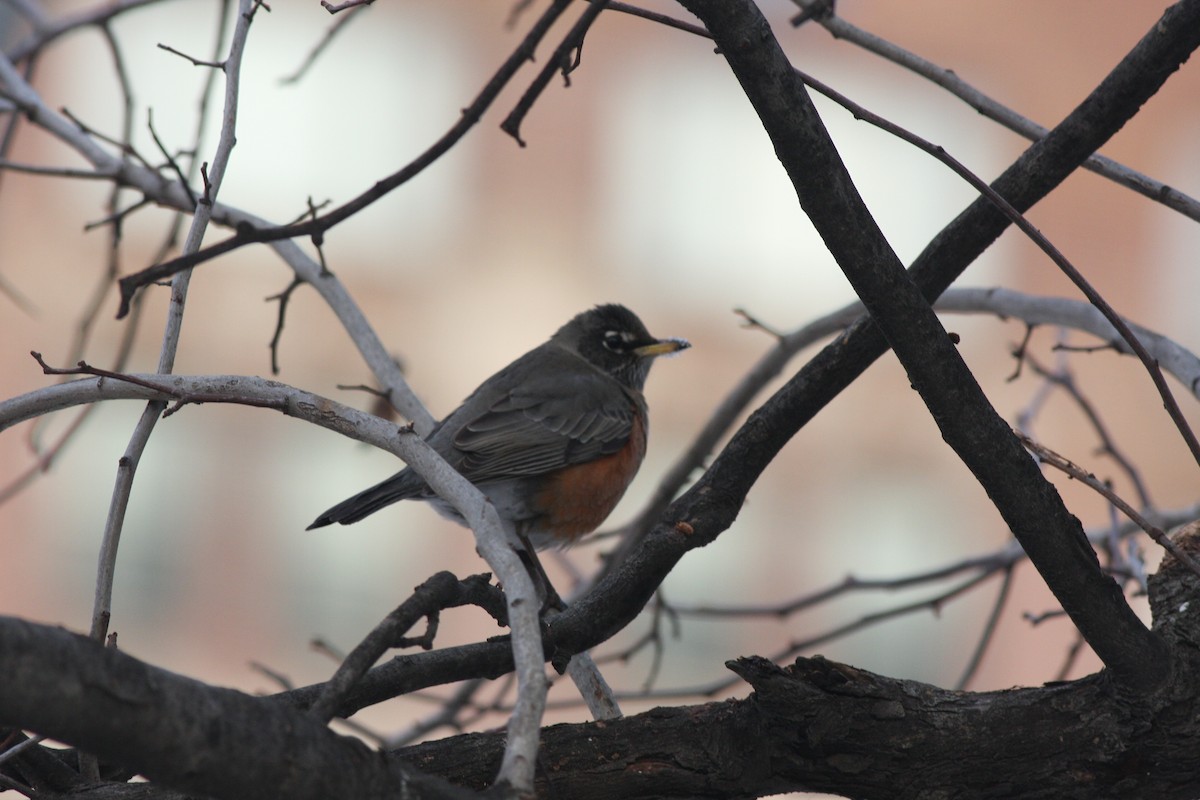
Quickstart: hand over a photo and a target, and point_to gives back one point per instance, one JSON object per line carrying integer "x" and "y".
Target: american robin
{"x": 553, "y": 439}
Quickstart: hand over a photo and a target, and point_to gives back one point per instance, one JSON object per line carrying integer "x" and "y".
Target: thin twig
{"x": 988, "y": 633}
{"x": 338, "y": 25}
{"x": 558, "y": 61}
{"x": 53, "y": 172}
{"x": 1064, "y": 379}
{"x": 248, "y": 234}
{"x": 1048, "y": 456}
{"x": 282, "y": 298}
{"x": 127, "y": 466}
{"x": 949, "y": 80}
{"x": 196, "y": 62}
{"x": 334, "y": 8}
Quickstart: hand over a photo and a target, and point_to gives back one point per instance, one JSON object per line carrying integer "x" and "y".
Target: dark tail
{"x": 398, "y": 487}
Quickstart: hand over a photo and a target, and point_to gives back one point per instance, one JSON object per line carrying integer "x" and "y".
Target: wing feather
{"x": 545, "y": 425}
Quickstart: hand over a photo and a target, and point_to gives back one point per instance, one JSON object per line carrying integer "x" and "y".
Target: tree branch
{"x": 1045, "y": 164}
{"x": 816, "y": 725}
{"x": 953, "y": 83}
{"x": 183, "y": 733}
{"x": 316, "y": 227}
{"x": 822, "y": 726}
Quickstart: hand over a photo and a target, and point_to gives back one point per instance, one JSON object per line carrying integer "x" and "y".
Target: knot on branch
{"x": 1175, "y": 591}
{"x": 809, "y": 680}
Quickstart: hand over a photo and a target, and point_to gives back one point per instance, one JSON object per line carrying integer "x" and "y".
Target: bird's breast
{"x": 575, "y": 500}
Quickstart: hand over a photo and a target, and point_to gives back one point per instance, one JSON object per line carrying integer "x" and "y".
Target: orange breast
{"x": 574, "y": 501}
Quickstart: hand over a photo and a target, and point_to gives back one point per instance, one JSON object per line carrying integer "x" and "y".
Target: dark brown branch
{"x": 560, "y": 60}
{"x": 428, "y": 600}
{"x": 823, "y": 726}
{"x": 183, "y": 733}
{"x": 282, "y": 298}
{"x": 816, "y": 725}
{"x": 1093, "y": 599}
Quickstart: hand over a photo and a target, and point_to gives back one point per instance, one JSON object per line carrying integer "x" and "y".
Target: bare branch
{"x": 949, "y": 80}
{"x": 989, "y": 631}
{"x": 1064, "y": 379}
{"x": 248, "y": 233}
{"x": 127, "y": 466}
{"x": 54, "y": 172}
{"x": 559, "y": 61}
{"x": 440, "y": 592}
{"x": 149, "y": 182}
{"x": 333, "y": 30}
{"x": 1005, "y": 303}
{"x": 47, "y": 30}
{"x": 265, "y": 748}
{"x": 196, "y": 62}
{"x": 1034, "y": 310}
{"x": 334, "y": 8}
{"x": 1048, "y": 456}
{"x": 899, "y": 309}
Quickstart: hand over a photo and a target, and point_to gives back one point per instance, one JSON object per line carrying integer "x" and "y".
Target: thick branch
{"x": 816, "y": 725}
{"x": 183, "y": 733}
{"x": 828, "y": 727}
{"x": 822, "y": 726}
{"x": 1029, "y": 504}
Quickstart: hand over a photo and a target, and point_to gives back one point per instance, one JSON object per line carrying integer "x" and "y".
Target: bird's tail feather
{"x": 368, "y": 501}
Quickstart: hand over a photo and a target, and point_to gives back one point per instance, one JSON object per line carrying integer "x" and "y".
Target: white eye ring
{"x": 615, "y": 341}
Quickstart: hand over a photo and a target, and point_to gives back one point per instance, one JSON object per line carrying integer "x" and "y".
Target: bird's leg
{"x": 537, "y": 572}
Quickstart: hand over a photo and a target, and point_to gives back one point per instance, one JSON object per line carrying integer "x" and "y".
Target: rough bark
{"x": 814, "y": 725}
{"x": 181, "y": 732}
{"x": 817, "y": 725}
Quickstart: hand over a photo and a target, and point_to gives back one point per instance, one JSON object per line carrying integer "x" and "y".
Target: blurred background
{"x": 648, "y": 181}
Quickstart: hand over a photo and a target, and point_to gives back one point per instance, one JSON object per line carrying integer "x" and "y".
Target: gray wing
{"x": 545, "y": 425}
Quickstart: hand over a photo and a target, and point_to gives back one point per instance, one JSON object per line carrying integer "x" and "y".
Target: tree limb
{"x": 183, "y": 733}
{"x": 815, "y": 725}
{"x": 747, "y": 41}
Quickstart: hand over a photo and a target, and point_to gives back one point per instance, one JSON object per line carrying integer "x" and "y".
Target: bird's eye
{"x": 614, "y": 341}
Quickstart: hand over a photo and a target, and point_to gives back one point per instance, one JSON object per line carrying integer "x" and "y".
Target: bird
{"x": 553, "y": 439}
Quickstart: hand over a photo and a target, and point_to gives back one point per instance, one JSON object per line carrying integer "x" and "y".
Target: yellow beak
{"x": 662, "y": 347}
